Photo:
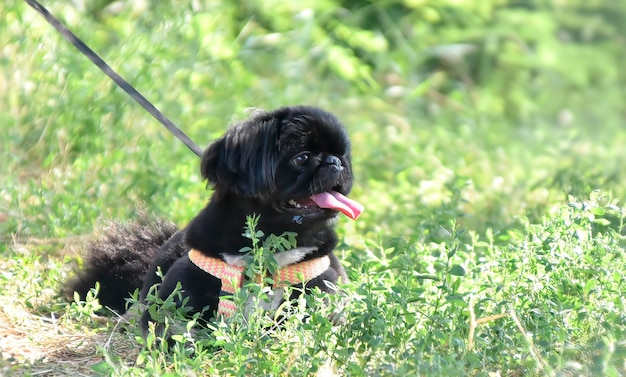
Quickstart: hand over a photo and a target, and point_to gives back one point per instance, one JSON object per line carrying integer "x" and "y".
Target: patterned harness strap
{"x": 232, "y": 277}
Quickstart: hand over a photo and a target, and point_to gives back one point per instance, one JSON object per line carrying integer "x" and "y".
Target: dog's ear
{"x": 244, "y": 160}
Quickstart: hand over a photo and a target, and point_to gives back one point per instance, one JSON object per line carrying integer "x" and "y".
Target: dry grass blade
{"x": 32, "y": 344}
{"x": 54, "y": 347}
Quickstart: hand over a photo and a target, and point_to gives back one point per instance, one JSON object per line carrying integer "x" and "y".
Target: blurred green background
{"x": 523, "y": 99}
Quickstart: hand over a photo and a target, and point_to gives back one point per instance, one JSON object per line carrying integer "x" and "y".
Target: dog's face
{"x": 294, "y": 160}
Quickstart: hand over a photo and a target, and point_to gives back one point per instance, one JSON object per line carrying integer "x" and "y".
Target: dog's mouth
{"x": 332, "y": 200}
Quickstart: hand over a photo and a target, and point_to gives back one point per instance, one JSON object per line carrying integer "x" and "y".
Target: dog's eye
{"x": 301, "y": 159}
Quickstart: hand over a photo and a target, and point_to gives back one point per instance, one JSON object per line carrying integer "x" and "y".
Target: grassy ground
{"x": 491, "y": 244}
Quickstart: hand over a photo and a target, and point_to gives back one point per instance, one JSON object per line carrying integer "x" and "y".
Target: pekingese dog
{"x": 291, "y": 167}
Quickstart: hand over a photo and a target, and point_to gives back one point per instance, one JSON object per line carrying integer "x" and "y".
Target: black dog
{"x": 290, "y": 166}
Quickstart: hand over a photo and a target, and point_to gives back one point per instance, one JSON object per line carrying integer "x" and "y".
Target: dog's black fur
{"x": 257, "y": 167}
{"x": 119, "y": 258}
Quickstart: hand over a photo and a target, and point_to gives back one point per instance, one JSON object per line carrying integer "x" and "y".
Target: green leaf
{"x": 102, "y": 368}
{"x": 601, "y": 221}
{"x": 455, "y": 299}
{"x": 178, "y": 338}
{"x": 457, "y": 270}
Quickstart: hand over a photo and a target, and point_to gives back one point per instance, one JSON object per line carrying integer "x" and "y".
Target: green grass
{"x": 494, "y": 233}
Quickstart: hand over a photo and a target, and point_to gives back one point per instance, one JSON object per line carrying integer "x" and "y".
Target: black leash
{"x": 104, "y": 67}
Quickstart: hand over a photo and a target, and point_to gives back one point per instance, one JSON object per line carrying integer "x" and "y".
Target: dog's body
{"x": 291, "y": 167}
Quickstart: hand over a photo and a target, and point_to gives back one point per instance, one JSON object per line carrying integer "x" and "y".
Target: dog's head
{"x": 296, "y": 159}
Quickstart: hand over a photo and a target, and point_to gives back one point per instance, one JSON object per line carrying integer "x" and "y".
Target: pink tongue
{"x": 339, "y": 202}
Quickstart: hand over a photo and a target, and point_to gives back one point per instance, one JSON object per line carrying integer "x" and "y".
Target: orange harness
{"x": 232, "y": 277}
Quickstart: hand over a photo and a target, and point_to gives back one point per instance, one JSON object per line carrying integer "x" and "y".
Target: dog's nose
{"x": 335, "y": 162}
